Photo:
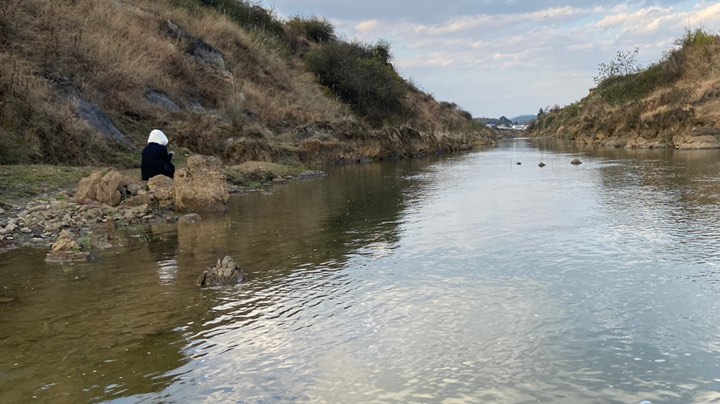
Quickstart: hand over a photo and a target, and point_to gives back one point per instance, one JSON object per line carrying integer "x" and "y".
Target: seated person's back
{"x": 155, "y": 157}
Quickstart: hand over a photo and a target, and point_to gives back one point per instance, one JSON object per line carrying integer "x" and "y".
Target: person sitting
{"x": 156, "y": 160}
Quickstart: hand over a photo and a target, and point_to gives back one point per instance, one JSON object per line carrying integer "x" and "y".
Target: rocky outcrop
{"x": 66, "y": 249}
{"x": 226, "y": 272}
{"x": 703, "y": 138}
{"x": 201, "y": 51}
{"x": 202, "y": 186}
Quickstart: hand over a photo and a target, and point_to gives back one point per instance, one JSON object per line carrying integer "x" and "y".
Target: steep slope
{"x": 83, "y": 82}
{"x": 673, "y": 103}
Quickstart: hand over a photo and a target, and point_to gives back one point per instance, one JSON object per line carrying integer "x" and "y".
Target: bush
{"x": 621, "y": 89}
{"x": 315, "y": 29}
{"x": 624, "y": 64}
{"x": 244, "y": 13}
{"x": 360, "y": 76}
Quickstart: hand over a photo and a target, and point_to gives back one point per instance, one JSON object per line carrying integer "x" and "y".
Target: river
{"x": 466, "y": 278}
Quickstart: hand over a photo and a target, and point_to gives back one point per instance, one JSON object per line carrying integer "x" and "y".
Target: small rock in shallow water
{"x": 576, "y": 162}
{"x": 541, "y": 164}
{"x": 6, "y": 300}
{"x": 226, "y": 272}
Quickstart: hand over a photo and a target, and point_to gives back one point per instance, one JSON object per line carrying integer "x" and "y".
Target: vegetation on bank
{"x": 82, "y": 83}
{"x": 634, "y": 106}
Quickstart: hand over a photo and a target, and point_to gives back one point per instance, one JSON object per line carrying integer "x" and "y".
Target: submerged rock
{"x": 225, "y": 273}
{"x": 189, "y": 218}
{"x": 67, "y": 249}
{"x": 541, "y": 164}
{"x": 576, "y": 162}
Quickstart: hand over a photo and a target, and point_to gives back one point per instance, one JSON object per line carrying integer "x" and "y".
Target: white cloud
{"x": 367, "y": 26}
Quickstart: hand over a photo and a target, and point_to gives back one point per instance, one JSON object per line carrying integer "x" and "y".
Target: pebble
{"x": 2, "y": 211}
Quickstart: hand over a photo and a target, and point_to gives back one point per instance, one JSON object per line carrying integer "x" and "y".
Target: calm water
{"x": 462, "y": 279}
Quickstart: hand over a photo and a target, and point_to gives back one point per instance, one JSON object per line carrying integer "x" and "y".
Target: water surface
{"x": 462, "y": 279}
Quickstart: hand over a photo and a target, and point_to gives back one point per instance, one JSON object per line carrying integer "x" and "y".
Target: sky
{"x": 509, "y": 57}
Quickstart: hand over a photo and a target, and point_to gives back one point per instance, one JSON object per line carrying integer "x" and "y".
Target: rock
{"x": 138, "y": 200}
{"x": 311, "y": 174}
{"x": 541, "y": 164}
{"x": 26, "y": 230}
{"x": 576, "y": 162}
{"x": 5, "y": 300}
{"x": 2, "y": 211}
{"x": 700, "y": 138}
{"x": 102, "y": 186}
{"x": 226, "y": 272}
{"x": 189, "y": 218}
{"x": 109, "y": 189}
{"x": 11, "y": 227}
{"x": 67, "y": 249}
{"x": 98, "y": 120}
{"x": 202, "y": 186}
{"x": 87, "y": 187}
{"x": 134, "y": 188}
{"x": 518, "y": 163}
{"x": 162, "y": 188}
{"x": 161, "y": 99}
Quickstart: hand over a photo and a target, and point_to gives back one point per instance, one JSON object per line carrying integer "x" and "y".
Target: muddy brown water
{"x": 461, "y": 279}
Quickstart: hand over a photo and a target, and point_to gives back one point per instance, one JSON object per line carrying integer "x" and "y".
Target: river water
{"x": 467, "y": 278}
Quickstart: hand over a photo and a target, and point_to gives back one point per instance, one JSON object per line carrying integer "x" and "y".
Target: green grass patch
{"x": 18, "y": 182}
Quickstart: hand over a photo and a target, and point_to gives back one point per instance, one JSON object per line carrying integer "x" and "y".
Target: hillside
{"x": 83, "y": 82}
{"x": 672, "y": 103}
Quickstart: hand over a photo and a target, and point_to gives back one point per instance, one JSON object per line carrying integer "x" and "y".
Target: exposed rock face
{"x": 162, "y": 189}
{"x": 67, "y": 249}
{"x": 101, "y": 186}
{"x": 703, "y": 138}
{"x": 226, "y": 272}
{"x": 202, "y": 186}
{"x": 162, "y": 100}
{"x": 199, "y": 49}
{"x": 98, "y": 120}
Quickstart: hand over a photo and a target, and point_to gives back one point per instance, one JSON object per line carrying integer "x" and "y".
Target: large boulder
{"x": 225, "y": 272}
{"x": 202, "y": 186}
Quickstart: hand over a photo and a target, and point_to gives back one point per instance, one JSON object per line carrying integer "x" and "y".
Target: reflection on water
{"x": 463, "y": 279}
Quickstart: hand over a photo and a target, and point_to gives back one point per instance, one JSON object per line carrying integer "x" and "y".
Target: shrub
{"x": 244, "y": 13}
{"x": 360, "y": 76}
{"x": 315, "y": 29}
{"x": 621, "y": 89}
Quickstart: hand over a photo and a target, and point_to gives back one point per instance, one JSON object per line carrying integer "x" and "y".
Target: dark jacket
{"x": 156, "y": 161}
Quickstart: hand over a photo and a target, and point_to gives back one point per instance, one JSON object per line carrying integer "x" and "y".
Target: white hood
{"x": 156, "y": 136}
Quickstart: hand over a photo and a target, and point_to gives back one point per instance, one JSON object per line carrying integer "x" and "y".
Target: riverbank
{"x": 38, "y": 202}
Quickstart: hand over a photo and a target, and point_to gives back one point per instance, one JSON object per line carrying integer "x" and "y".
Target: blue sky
{"x": 509, "y": 57}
